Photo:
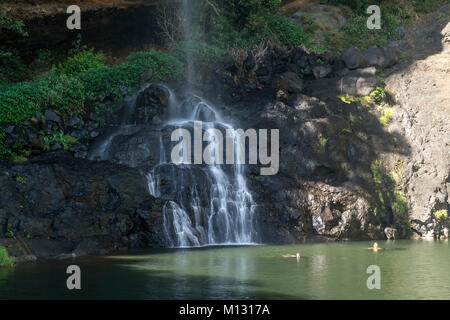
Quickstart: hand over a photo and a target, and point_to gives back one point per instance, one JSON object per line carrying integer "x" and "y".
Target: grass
{"x": 5, "y": 259}
{"x": 386, "y": 118}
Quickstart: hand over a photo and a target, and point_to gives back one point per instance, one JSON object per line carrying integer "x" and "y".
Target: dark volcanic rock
{"x": 374, "y": 57}
{"x": 56, "y": 204}
{"x": 353, "y": 58}
{"x": 150, "y": 103}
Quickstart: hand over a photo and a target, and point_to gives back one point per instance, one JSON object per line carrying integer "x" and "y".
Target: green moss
{"x": 441, "y": 215}
{"x": 386, "y": 118}
{"x": 5, "y": 259}
{"x": 322, "y": 143}
{"x": 399, "y": 204}
{"x": 376, "y": 172}
{"x": 20, "y": 179}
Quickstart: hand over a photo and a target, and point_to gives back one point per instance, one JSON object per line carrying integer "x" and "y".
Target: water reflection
{"x": 409, "y": 270}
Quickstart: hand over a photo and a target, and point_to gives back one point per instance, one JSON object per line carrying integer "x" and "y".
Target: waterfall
{"x": 210, "y": 204}
{"x": 205, "y": 204}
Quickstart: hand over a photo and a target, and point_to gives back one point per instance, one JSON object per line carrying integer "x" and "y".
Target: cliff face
{"x": 115, "y": 27}
{"x": 422, "y": 84}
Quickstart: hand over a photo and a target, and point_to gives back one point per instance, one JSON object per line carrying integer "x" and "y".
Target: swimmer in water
{"x": 297, "y": 256}
{"x": 375, "y": 247}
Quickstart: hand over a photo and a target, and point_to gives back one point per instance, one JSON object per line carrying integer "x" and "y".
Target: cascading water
{"x": 219, "y": 203}
{"x": 212, "y": 204}
{"x": 205, "y": 204}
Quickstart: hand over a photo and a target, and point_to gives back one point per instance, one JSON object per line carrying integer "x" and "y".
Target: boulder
{"x": 146, "y": 76}
{"x": 359, "y": 82}
{"x": 391, "y": 233}
{"x": 51, "y": 115}
{"x": 79, "y": 200}
{"x": 321, "y": 71}
{"x": 374, "y": 57}
{"x": 151, "y": 102}
{"x": 288, "y": 82}
{"x": 228, "y": 63}
{"x": 390, "y": 55}
{"x": 353, "y": 58}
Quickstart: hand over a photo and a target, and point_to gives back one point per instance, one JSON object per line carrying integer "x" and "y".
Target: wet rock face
{"x": 324, "y": 187}
{"x": 151, "y": 103}
{"x": 75, "y": 202}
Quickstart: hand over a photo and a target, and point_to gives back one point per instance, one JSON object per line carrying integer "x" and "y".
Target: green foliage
{"x": 11, "y": 66}
{"x": 21, "y": 179}
{"x": 394, "y": 14}
{"x": 16, "y": 26}
{"x": 243, "y": 24}
{"x": 5, "y": 259}
{"x": 283, "y": 29}
{"x": 386, "y": 118}
{"x": 399, "y": 205}
{"x": 323, "y": 141}
{"x": 249, "y": 12}
{"x": 20, "y": 101}
{"x": 44, "y": 57}
{"x": 441, "y": 215}
{"x": 77, "y": 47}
{"x": 68, "y": 86}
{"x": 376, "y": 172}
{"x": 9, "y": 234}
{"x": 66, "y": 140}
{"x": 99, "y": 82}
{"x": 378, "y": 95}
{"x": 80, "y": 62}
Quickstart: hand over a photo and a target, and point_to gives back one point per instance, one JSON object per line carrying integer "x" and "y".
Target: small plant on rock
{"x": 441, "y": 215}
{"x": 5, "y": 259}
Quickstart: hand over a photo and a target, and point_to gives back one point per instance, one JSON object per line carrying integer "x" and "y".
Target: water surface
{"x": 409, "y": 270}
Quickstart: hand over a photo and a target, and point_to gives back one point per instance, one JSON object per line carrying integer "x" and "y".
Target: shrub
{"x": 441, "y": 215}
{"x": 66, "y": 88}
{"x": 100, "y": 82}
{"x": 66, "y": 140}
{"x": 378, "y": 95}
{"x": 80, "y": 62}
{"x": 20, "y": 101}
{"x": 285, "y": 31}
{"x": 5, "y": 259}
